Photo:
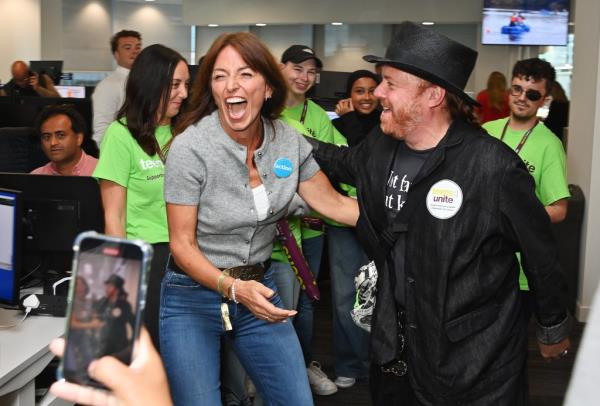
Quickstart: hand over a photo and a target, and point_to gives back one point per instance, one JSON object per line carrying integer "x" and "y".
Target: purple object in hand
{"x": 297, "y": 260}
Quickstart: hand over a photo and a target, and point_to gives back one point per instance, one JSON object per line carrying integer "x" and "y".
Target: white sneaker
{"x": 344, "y": 382}
{"x": 319, "y": 382}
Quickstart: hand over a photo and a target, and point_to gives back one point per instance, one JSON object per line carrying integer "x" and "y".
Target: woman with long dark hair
{"x": 132, "y": 157}
{"x": 230, "y": 176}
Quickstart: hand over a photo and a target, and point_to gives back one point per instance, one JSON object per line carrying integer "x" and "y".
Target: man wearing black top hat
{"x": 443, "y": 209}
{"x": 115, "y": 311}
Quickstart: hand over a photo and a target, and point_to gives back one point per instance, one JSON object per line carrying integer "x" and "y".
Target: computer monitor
{"x": 50, "y": 68}
{"x": 55, "y": 210}
{"x": 330, "y": 85}
{"x": 10, "y": 246}
{"x": 76, "y": 92}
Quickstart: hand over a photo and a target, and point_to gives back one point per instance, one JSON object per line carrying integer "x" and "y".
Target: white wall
{"x": 158, "y": 24}
{"x": 52, "y": 38}
{"x": 79, "y": 32}
{"x": 247, "y": 12}
{"x": 205, "y": 36}
{"x": 584, "y": 143}
{"x": 20, "y": 28}
{"x": 86, "y": 29}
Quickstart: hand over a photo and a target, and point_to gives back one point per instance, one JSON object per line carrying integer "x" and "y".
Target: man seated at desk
{"x": 27, "y": 83}
{"x": 61, "y": 130}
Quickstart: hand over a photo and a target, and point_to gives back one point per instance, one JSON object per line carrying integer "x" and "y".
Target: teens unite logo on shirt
{"x": 151, "y": 164}
{"x": 530, "y": 167}
{"x": 147, "y": 164}
{"x": 397, "y": 191}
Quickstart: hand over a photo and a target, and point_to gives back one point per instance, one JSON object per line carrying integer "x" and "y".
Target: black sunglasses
{"x": 531, "y": 94}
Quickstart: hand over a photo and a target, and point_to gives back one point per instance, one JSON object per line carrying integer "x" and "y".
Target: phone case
{"x": 146, "y": 259}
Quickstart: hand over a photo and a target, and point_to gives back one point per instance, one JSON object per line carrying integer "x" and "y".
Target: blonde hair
{"x": 496, "y": 88}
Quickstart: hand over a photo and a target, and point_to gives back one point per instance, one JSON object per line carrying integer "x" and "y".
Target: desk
{"x": 24, "y": 354}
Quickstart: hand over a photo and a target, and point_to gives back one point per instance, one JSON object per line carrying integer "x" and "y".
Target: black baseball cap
{"x": 299, "y": 54}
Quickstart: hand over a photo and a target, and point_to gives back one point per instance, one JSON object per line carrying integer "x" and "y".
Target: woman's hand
{"x": 344, "y": 106}
{"x": 144, "y": 382}
{"x": 184, "y": 248}
{"x": 255, "y": 296}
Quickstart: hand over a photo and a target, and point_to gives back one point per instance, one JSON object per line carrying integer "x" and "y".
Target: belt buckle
{"x": 246, "y": 272}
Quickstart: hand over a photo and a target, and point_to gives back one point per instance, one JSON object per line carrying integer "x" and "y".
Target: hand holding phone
{"x": 106, "y": 301}
{"x": 142, "y": 383}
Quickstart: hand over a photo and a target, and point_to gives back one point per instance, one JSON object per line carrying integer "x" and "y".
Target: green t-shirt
{"x": 124, "y": 162}
{"x": 319, "y": 126}
{"x": 544, "y": 156}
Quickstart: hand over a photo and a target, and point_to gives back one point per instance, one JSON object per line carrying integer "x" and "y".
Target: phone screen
{"x": 106, "y": 305}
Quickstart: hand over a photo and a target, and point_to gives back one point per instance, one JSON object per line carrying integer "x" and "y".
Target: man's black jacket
{"x": 465, "y": 323}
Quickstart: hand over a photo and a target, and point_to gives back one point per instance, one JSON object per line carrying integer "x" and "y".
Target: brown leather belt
{"x": 254, "y": 272}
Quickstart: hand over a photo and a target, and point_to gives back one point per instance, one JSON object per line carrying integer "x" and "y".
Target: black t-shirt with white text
{"x": 406, "y": 166}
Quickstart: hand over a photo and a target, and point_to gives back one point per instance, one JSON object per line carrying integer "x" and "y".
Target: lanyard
{"x": 303, "y": 116}
{"x": 523, "y": 139}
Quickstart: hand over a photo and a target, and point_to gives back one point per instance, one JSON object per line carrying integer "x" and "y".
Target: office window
{"x": 562, "y": 60}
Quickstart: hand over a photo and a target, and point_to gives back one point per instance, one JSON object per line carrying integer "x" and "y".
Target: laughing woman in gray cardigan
{"x": 230, "y": 176}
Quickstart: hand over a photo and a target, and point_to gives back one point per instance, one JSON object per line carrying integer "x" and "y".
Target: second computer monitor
{"x": 55, "y": 210}
{"x": 10, "y": 246}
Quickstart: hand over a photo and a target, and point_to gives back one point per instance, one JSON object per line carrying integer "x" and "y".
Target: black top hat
{"x": 299, "y": 54}
{"x": 116, "y": 281}
{"x": 430, "y": 55}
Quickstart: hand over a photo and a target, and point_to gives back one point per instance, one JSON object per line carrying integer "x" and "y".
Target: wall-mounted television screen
{"x": 525, "y": 22}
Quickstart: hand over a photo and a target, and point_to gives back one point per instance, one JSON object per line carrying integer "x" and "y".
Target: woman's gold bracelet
{"x": 220, "y": 285}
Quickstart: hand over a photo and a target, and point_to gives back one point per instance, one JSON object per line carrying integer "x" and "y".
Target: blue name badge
{"x": 283, "y": 168}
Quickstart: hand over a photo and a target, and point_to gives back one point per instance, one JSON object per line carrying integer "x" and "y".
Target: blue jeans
{"x": 233, "y": 388}
{"x": 191, "y": 330}
{"x": 312, "y": 249}
{"x": 350, "y": 342}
